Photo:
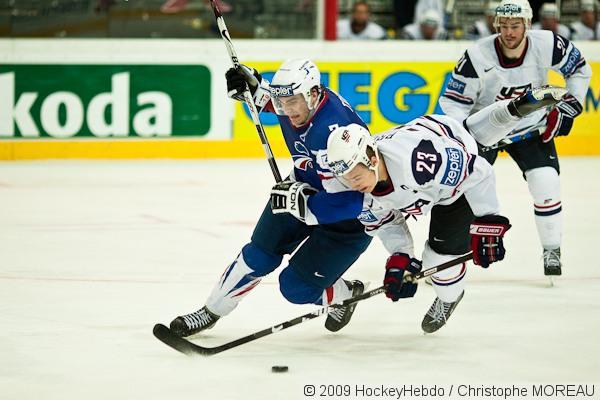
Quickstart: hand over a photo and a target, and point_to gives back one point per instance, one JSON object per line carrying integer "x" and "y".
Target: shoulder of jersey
{"x": 478, "y": 58}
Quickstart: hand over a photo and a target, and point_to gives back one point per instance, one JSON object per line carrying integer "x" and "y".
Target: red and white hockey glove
{"x": 399, "y": 272}
{"x": 486, "y": 239}
{"x": 560, "y": 119}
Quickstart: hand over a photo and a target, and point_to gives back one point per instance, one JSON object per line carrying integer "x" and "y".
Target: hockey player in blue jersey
{"x": 310, "y": 213}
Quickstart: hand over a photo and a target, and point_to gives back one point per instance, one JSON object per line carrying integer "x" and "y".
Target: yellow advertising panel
{"x": 387, "y": 94}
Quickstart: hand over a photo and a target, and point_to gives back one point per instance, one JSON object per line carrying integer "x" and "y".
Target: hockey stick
{"x": 517, "y": 136}
{"x": 247, "y": 95}
{"x": 186, "y": 347}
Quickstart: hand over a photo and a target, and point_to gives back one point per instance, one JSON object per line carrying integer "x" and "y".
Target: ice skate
{"x": 438, "y": 314}
{"x": 552, "y": 264}
{"x": 190, "y": 324}
{"x": 338, "y": 317}
{"x": 534, "y": 99}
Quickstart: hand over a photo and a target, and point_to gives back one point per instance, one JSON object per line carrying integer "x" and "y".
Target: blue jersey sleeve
{"x": 334, "y": 207}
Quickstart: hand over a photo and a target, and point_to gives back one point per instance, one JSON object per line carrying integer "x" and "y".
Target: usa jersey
{"x": 482, "y": 76}
{"x": 430, "y": 161}
{"x": 308, "y": 146}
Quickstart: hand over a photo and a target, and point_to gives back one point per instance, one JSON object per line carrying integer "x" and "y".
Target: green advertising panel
{"x": 104, "y": 101}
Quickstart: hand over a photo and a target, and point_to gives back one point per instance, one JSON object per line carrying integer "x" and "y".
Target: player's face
{"x": 512, "y": 32}
{"x": 295, "y": 108}
{"x": 361, "y": 178}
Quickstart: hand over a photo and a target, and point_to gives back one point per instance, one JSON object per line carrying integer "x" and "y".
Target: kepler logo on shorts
{"x": 453, "y": 167}
{"x": 281, "y": 91}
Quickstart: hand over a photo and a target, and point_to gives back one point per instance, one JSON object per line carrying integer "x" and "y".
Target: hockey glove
{"x": 399, "y": 276}
{"x": 560, "y": 119}
{"x": 291, "y": 197}
{"x": 486, "y": 239}
{"x": 237, "y": 79}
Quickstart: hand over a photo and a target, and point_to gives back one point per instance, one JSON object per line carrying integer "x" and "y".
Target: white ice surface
{"x": 93, "y": 254}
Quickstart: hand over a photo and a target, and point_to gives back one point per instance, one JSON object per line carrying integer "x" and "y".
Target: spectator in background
{"x": 549, "y": 21}
{"x": 358, "y": 27}
{"x": 587, "y": 28}
{"x": 484, "y": 27}
{"x": 429, "y": 27}
{"x": 425, "y": 5}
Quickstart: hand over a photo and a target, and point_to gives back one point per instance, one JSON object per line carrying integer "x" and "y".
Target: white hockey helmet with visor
{"x": 296, "y": 76}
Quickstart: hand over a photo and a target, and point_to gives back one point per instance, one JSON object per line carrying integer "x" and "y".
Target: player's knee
{"x": 544, "y": 186}
{"x": 260, "y": 261}
{"x": 447, "y": 277}
{"x": 297, "y": 290}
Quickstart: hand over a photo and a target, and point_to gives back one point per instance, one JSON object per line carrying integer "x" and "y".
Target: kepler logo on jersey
{"x": 453, "y": 167}
{"x": 456, "y": 86}
{"x": 281, "y": 91}
{"x": 572, "y": 63}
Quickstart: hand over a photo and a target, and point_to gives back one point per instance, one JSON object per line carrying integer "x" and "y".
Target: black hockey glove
{"x": 291, "y": 197}
{"x": 237, "y": 80}
{"x": 486, "y": 239}
{"x": 560, "y": 119}
{"x": 399, "y": 273}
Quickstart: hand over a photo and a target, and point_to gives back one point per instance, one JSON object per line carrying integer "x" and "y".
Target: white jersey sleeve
{"x": 462, "y": 89}
{"x": 568, "y": 61}
{"x": 387, "y": 224}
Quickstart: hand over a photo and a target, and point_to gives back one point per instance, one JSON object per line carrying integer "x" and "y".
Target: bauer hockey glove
{"x": 486, "y": 239}
{"x": 291, "y": 197}
{"x": 237, "y": 80}
{"x": 399, "y": 276}
{"x": 560, "y": 119}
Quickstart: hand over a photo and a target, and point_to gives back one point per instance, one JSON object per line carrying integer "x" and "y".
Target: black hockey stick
{"x": 186, "y": 347}
{"x": 517, "y": 136}
{"x": 247, "y": 95}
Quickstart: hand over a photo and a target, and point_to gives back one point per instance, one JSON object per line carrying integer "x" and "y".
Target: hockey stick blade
{"x": 188, "y": 348}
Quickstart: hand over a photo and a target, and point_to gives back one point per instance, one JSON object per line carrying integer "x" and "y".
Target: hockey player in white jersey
{"x": 431, "y": 165}
{"x": 504, "y": 66}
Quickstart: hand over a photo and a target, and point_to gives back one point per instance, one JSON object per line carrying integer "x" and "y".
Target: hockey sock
{"x": 336, "y": 293}
{"x": 448, "y": 284}
{"x": 235, "y": 283}
{"x": 544, "y": 186}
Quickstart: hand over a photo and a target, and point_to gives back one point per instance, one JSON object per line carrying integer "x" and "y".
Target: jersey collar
{"x": 510, "y": 62}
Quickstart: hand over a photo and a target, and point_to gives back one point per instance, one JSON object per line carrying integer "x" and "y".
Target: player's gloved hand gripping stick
{"x": 247, "y": 95}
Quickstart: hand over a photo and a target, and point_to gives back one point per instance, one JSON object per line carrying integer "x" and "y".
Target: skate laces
{"x": 551, "y": 258}
{"x": 438, "y": 310}
{"x": 198, "y": 319}
{"x": 337, "y": 313}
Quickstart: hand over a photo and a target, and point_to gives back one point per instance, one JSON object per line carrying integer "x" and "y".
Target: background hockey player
{"x": 309, "y": 205}
{"x": 504, "y": 66}
{"x": 431, "y": 164}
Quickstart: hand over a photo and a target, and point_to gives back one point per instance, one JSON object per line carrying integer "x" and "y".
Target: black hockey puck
{"x": 279, "y": 368}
